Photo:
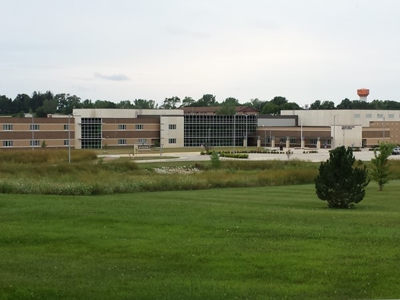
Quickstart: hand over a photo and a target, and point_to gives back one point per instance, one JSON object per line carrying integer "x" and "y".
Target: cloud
{"x": 112, "y": 77}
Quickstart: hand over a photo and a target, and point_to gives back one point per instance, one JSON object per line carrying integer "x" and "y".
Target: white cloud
{"x": 112, "y": 77}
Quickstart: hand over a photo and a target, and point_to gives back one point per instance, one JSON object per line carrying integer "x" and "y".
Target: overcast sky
{"x": 116, "y": 50}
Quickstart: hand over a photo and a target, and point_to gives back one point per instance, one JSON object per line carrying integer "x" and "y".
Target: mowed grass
{"x": 247, "y": 243}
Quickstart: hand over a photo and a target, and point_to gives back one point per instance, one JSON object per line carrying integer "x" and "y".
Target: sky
{"x": 152, "y": 49}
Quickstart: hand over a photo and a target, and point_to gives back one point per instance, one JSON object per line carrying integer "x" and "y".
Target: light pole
{"x": 246, "y": 132}
{"x": 33, "y": 135}
{"x": 265, "y": 138}
{"x": 69, "y": 139}
{"x": 209, "y": 137}
{"x": 334, "y": 132}
{"x": 301, "y": 133}
{"x": 234, "y": 131}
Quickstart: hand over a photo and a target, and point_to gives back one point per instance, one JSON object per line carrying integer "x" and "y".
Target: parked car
{"x": 396, "y": 151}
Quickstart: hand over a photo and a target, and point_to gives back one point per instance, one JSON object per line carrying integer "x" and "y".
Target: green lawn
{"x": 255, "y": 243}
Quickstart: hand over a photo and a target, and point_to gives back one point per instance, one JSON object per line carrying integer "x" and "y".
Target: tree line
{"x": 42, "y": 104}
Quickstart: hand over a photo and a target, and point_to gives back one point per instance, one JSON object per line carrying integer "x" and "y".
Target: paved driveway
{"x": 322, "y": 155}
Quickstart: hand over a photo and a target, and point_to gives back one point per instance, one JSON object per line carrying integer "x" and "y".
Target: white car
{"x": 396, "y": 151}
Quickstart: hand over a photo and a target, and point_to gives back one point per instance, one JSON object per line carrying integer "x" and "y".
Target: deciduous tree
{"x": 380, "y": 167}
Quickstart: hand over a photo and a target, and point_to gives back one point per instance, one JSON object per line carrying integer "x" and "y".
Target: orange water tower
{"x": 363, "y": 93}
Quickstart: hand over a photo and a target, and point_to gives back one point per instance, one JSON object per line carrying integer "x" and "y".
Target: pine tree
{"x": 340, "y": 182}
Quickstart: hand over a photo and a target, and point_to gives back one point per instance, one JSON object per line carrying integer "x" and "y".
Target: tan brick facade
{"x": 36, "y": 132}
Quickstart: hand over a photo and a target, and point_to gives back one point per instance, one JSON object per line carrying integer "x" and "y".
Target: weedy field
{"x": 48, "y": 172}
{"x": 251, "y": 243}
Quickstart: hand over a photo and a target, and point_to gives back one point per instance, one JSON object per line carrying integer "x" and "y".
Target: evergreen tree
{"x": 340, "y": 182}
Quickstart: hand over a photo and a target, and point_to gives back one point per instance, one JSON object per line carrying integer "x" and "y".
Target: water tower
{"x": 363, "y": 93}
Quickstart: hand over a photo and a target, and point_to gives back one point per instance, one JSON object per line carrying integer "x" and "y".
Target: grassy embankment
{"x": 245, "y": 243}
{"x": 47, "y": 172}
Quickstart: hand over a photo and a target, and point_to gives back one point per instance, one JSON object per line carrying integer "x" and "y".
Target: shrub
{"x": 380, "y": 167}
{"x": 339, "y": 182}
{"x": 234, "y": 155}
{"x": 215, "y": 162}
{"x": 45, "y": 156}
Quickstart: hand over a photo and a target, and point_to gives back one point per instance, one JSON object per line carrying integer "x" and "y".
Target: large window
{"x": 218, "y": 130}
{"x": 66, "y": 142}
{"x": 122, "y": 142}
{"x": 7, "y": 127}
{"x": 142, "y": 141}
{"x": 91, "y": 133}
{"x": 139, "y": 126}
{"x": 121, "y": 127}
{"x": 172, "y": 126}
{"x": 8, "y": 143}
{"x": 34, "y": 127}
{"x": 172, "y": 141}
{"x": 66, "y": 127}
{"x": 34, "y": 143}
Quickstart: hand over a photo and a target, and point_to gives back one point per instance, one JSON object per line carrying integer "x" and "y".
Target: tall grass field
{"x": 237, "y": 243}
{"x": 48, "y": 172}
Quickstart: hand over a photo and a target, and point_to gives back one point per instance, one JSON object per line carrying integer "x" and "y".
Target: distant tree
{"x": 171, "y": 103}
{"x": 340, "y": 182}
{"x": 226, "y": 110}
{"x": 104, "y": 104}
{"x": 22, "y": 103}
{"x": 144, "y": 104}
{"x": 322, "y": 105}
{"x": 255, "y": 103}
{"x": 277, "y": 104}
{"x": 270, "y": 108}
{"x": 357, "y": 104}
{"x": 328, "y": 105}
{"x": 187, "y": 101}
{"x": 206, "y": 100}
{"x": 231, "y": 101}
{"x": 380, "y": 167}
{"x": 49, "y": 107}
{"x": 66, "y": 103}
{"x": 279, "y": 100}
{"x": 228, "y": 107}
{"x": 289, "y": 106}
{"x": 345, "y": 104}
{"x": 5, "y": 105}
{"x": 125, "y": 104}
{"x": 316, "y": 105}
{"x": 38, "y": 98}
{"x": 87, "y": 103}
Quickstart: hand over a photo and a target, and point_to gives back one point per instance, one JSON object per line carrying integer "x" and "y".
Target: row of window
{"x": 370, "y": 116}
{"x": 10, "y": 127}
{"x": 137, "y": 126}
{"x": 141, "y": 127}
{"x": 32, "y": 143}
{"x": 140, "y": 141}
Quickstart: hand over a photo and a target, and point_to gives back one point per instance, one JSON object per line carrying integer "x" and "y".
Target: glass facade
{"x": 91, "y": 133}
{"x": 218, "y": 130}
